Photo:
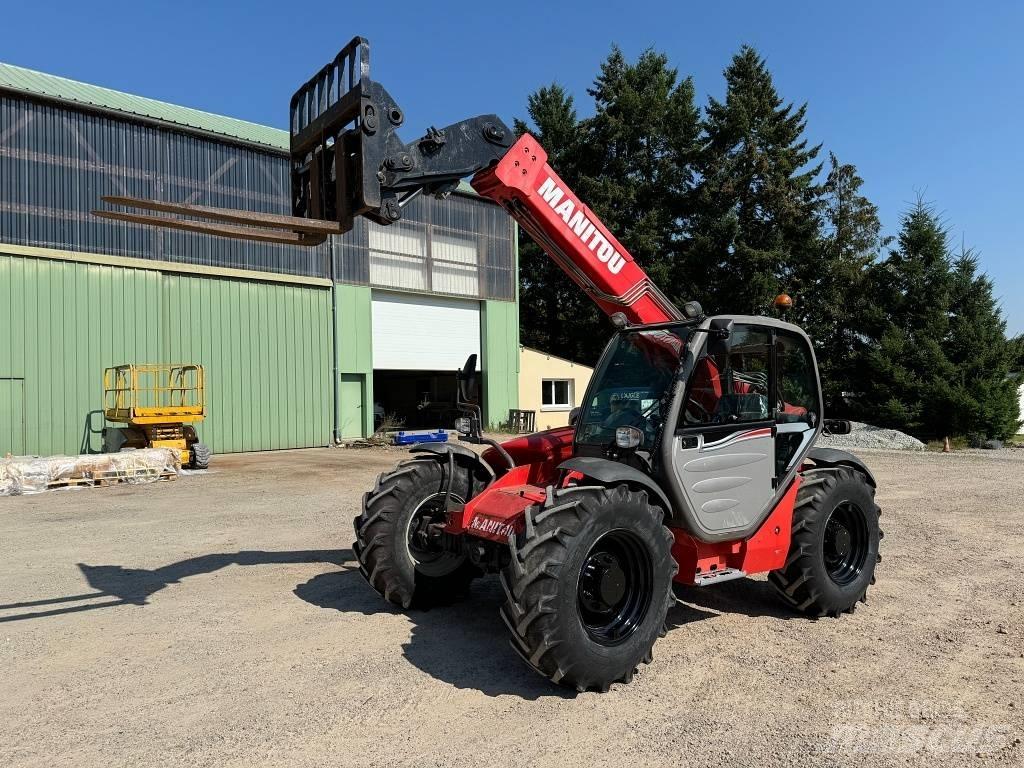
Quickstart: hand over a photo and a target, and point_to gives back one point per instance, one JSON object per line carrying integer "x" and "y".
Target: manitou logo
{"x": 584, "y": 228}
{"x": 494, "y": 527}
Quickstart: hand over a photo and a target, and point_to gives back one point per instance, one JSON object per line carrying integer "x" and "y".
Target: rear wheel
{"x": 398, "y": 545}
{"x": 589, "y": 585}
{"x": 834, "y": 546}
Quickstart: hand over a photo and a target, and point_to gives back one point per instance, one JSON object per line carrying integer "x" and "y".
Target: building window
{"x": 456, "y": 247}
{"x": 556, "y": 395}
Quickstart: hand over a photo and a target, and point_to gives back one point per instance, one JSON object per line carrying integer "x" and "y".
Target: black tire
{"x": 199, "y": 456}
{"x": 580, "y": 635}
{"x": 834, "y": 546}
{"x": 388, "y": 559}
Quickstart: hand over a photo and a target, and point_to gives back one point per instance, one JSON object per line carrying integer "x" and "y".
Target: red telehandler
{"x": 690, "y": 462}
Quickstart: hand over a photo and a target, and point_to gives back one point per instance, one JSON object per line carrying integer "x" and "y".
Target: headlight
{"x": 628, "y": 437}
{"x": 463, "y": 426}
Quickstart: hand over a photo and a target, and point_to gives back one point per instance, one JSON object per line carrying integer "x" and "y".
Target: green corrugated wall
{"x": 355, "y": 360}
{"x": 499, "y": 341}
{"x": 266, "y": 348}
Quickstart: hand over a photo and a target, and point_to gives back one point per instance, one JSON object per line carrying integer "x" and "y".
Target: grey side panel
{"x": 443, "y": 449}
{"x": 831, "y": 457}
{"x": 608, "y": 472}
{"x": 727, "y": 483}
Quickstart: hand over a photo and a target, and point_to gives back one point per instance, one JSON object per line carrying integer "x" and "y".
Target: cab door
{"x": 798, "y": 400}
{"x": 724, "y": 454}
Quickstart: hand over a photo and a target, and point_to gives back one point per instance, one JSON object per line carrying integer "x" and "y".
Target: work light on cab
{"x": 628, "y": 437}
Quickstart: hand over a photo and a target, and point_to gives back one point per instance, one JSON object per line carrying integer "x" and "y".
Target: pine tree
{"x": 640, "y": 148}
{"x": 829, "y": 282}
{"x": 542, "y": 284}
{"x": 632, "y": 164}
{"x": 1017, "y": 354}
{"x": 902, "y": 364}
{"x": 757, "y": 201}
{"x": 982, "y": 396}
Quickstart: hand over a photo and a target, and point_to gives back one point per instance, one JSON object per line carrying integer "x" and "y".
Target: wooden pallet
{"x": 112, "y": 477}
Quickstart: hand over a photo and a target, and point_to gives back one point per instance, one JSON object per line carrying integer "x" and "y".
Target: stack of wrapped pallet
{"x": 20, "y": 475}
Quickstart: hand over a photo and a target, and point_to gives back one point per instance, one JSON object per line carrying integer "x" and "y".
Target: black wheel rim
{"x": 613, "y": 592}
{"x": 846, "y": 543}
{"x": 428, "y": 557}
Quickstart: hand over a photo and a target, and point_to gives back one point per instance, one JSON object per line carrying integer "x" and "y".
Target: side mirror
{"x": 720, "y": 337}
{"x": 574, "y": 416}
{"x": 467, "y": 380}
{"x": 838, "y": 426}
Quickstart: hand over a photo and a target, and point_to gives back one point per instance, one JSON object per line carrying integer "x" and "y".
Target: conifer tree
{"x": 631, "y": 163}
{"x": 757, "y": 200}
{"x": 828, "y": 283}
{"x": 902, "y": 361}
{"x": 982, "y": 398}
{"x": 542, "y": 284}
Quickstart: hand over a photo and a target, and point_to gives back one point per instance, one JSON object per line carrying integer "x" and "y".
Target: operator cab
{"x": 718, "y": 411}
{"x": 630, "y": 391}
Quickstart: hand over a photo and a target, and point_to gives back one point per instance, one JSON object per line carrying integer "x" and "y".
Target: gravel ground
{"x": 220, "y": 620}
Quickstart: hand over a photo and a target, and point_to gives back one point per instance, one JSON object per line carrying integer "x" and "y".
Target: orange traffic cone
{"x": 946, "y": 447}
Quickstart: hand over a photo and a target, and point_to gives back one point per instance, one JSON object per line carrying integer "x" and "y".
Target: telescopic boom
{"x": 347, "y": 161}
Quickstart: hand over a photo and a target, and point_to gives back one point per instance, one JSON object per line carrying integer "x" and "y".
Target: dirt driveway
{"x": 219, "y": 620}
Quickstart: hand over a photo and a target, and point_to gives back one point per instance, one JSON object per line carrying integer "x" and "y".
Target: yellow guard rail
{"x": 154, "y": 394}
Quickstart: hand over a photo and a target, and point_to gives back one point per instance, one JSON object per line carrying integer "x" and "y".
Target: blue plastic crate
{"x": 421, "y": 436}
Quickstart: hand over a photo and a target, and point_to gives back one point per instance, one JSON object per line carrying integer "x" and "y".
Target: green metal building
{"x": 301, "y": 346}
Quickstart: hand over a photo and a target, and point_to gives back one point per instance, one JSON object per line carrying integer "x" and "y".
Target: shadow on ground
{"x": 747, "y": 597}
{"x": 465, "y": 644}
{"x": 116, "y": 585}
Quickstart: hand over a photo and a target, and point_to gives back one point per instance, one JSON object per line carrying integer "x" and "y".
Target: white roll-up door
{"x": 423, "y": 333}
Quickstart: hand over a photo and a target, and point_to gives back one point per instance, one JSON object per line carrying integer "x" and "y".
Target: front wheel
{"x": 589, "y": 585}
{"x": 398, "y": 543}
{"x": 834, "y": 546}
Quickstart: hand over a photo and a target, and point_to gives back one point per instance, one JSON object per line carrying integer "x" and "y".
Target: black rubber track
{"x": 381, "y": 545}
{"x": 541, "y": 581}
{"x": 803, "y": 583}
{"x": 199, "y": 456}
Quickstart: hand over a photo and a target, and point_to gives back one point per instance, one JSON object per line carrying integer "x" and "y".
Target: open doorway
{"x": 415, "y": 399}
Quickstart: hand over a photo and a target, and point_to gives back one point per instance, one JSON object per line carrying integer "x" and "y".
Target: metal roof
{"x": 31, "y": 83}
{"x": 39, "y": 84}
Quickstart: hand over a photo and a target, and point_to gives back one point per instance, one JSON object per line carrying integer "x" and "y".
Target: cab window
{"x": 798, "y": 385}
{"x": 733, "y": 388}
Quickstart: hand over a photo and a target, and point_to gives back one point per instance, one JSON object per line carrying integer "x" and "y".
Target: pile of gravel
{"x": 868, "y": 436}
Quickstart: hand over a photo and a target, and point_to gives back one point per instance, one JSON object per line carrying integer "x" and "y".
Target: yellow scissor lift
{"x": 159, "y": 404}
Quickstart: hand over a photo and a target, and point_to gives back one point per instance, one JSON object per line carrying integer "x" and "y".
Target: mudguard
{"x": 609, "y": 472}
{"x": 443, "y": 449}
{"x": 834, "y": 457}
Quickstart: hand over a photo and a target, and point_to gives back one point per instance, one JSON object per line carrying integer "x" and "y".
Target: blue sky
{"x": 923, "y": 97}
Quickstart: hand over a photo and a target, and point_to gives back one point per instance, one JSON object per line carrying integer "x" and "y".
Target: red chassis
{"x": 499, "y": 511}
{"x": 526, "y": 186}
